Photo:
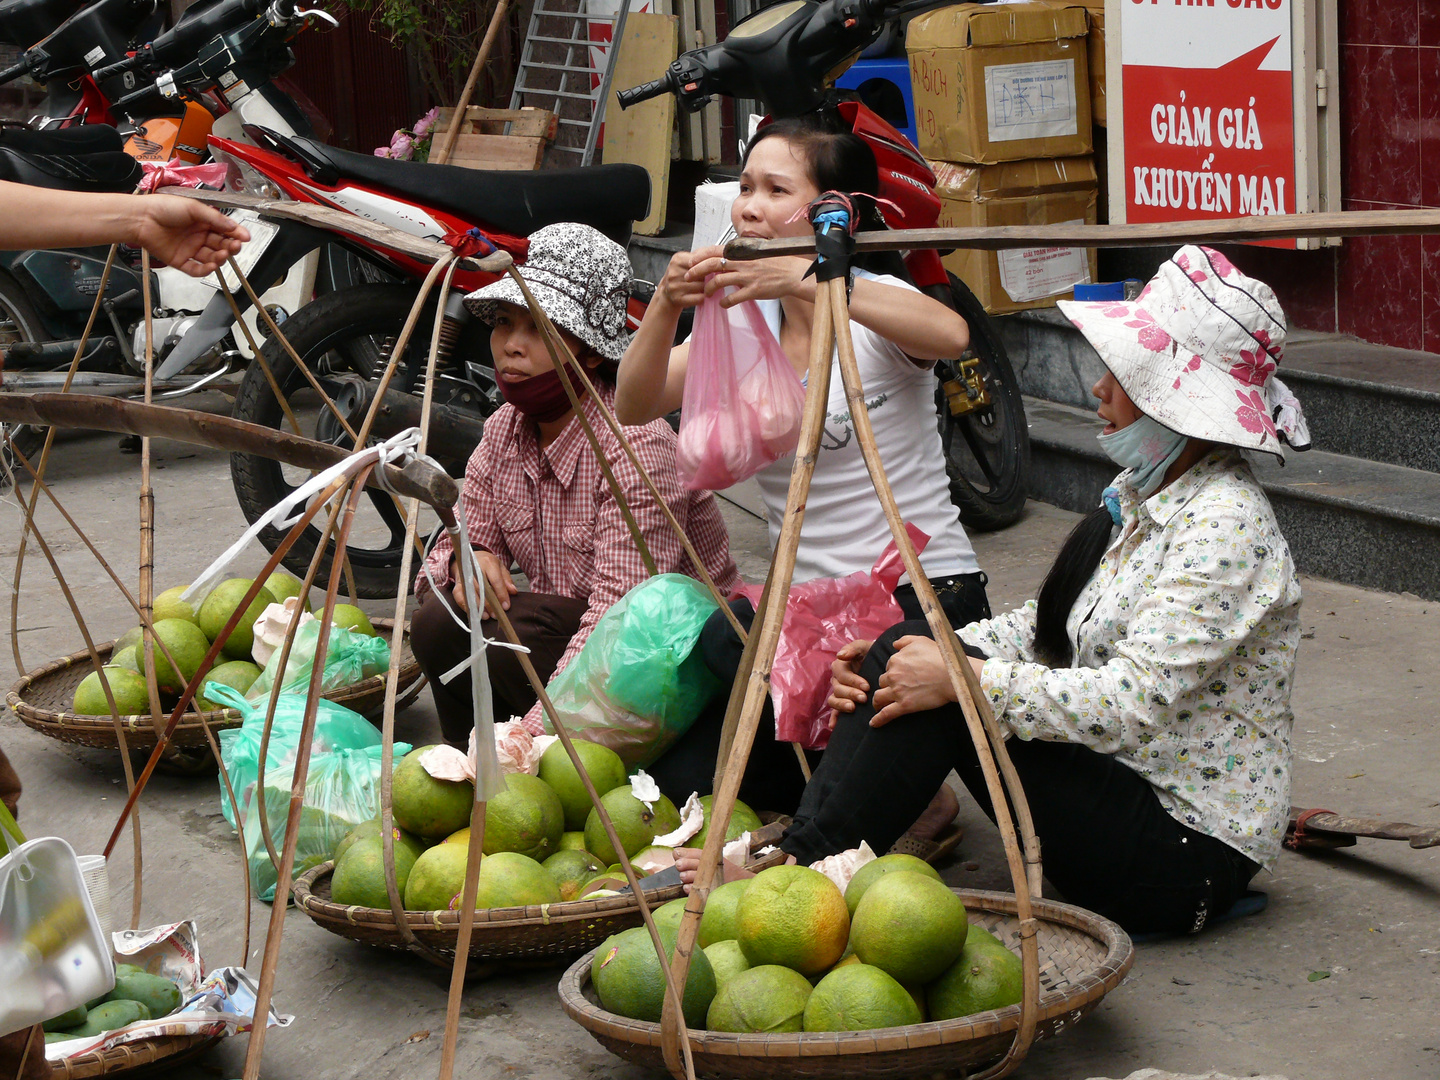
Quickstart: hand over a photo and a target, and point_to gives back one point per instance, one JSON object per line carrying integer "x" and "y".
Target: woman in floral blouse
{"x": 1146, "y": 690}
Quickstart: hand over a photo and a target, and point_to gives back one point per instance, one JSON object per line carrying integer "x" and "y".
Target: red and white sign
{"x": 1209, "y": 127}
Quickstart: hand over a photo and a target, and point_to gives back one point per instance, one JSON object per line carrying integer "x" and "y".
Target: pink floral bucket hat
{"x": 1197, "y": 351}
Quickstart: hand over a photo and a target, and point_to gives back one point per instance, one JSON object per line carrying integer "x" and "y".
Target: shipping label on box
{"x": 1036, "y": 273}
{"x": 1030, "y": 101}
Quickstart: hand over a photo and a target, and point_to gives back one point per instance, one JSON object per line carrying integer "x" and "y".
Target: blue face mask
{"x": 1146, "y": 446}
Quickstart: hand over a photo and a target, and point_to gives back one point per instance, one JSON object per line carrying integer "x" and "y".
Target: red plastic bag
{"x": 822, "y": 615}
{"x": 743, "y": 400}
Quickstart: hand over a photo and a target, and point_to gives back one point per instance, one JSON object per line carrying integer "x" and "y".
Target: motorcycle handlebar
{"x": 117, "y": 68}
{"x": 644, "y": 92}
{"x": 14, "y": 72}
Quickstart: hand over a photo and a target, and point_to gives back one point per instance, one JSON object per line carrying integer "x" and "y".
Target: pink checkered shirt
{"x": 550, "y": 511}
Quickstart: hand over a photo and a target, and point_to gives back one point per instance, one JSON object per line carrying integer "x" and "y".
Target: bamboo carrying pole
{"x": 497, "y": 20}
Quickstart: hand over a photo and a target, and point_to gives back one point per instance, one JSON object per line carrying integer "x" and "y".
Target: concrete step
{"x": 1349, "y": 519}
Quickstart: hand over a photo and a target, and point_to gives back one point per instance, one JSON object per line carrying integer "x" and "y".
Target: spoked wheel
{"x": 340, "y": 336}
{"x": 982, "y": 424}
{"x": 18, "y": 322}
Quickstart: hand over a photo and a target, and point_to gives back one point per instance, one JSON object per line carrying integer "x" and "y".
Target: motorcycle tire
{"x": 336, "y": 335}
{"x": 987, "y": 449}
{"x": 18, "y": 322}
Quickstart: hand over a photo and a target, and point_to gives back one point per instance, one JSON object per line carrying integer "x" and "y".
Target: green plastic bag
{"x": 350, "y": 657}
{"x": 336, "y": 728}
{"x": 638, "y": 684}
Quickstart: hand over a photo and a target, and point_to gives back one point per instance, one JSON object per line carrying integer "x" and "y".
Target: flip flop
{"x": 933, "y": 850}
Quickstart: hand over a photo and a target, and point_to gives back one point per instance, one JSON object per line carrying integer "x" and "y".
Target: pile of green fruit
{"x": 543, "y": 842}
{"x": 786, "y": 951}
{"x": 137, "y": 996}
{"x": 188, "y": 632}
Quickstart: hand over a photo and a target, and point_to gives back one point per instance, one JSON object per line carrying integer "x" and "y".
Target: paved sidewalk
{"x": 1238, "y": 999}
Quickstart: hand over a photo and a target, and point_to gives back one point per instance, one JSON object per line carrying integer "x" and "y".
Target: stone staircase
{"x": 1362, "y": 507}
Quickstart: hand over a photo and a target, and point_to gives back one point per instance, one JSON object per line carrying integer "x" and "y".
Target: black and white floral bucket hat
{"x": 1198, "y": 351}
{"x": 579, "y": 276}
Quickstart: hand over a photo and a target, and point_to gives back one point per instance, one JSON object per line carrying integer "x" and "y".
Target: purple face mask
{"x": 541, "y": 397}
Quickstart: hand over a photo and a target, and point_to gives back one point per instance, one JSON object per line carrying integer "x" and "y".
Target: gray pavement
{"x": 1242, "y": 999}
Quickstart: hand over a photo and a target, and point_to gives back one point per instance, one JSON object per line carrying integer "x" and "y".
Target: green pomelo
{"x": 636, "y": 824}
{"x": 74, "y": 1018}
{"x": 110, "y": 1015}
{"x": 571, "y": 870}
{"x": 131, "y": 696}
{"x": 727, "y": 960}
{"x": 186, "y": 644}
{"x": 506, "y": 879}
{"x": 128, "y": 640}
{"x": 795, "y": 916}
{"x": 158, "y": 994}
{"x": 721, "y": 912}
{"x": 59, "y": 1036}
{"x": 459, "y": 836}
{"x": 371, "y": 830}
{"x": 282, "y": 586}
{"x": 237, "y": 674}
{"x": 768, "y": 999}
{"x": 352, "y": 618}
{"x": 426, "y": 806}
{"x": 217, "y": 608}
{"x": 910, "y": 925}
{"x": 526, "y": 818}
{"x": 168, "y": 605}
{"x": 985, "y": 977}
{"x": 602, "y": 765}
{"x": 573, "y": 841}
{"x": 667, "y": 916}
{"x": 742, "y": 820}
{"x": 127, "y": 658}
{"x": 979, "y": 934}
{"x": 626, "y": 972}
{"x": 359, "y": 876}
{"x": 859, "y": 997}
{"x": 874, "y": 870}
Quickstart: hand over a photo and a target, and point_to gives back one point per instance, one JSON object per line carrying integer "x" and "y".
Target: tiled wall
{"x": 1381, "y": 289}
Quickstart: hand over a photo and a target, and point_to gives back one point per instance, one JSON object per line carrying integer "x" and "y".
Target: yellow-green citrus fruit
{"x": 794, "y": 916}
{"x": 668, "y": 915}
{"x": 767, "y": 999}
{"x": 573, "y": 841}
{"x": 874, "y": 870}
{"x": 282, "y": 586}
{"x": 859, "y": 997}
{"x": 237, "y": 674}
{"x": 217, "y": 608}
{"x": 636, "y": 824}
{"x": 426, "y": 806}
{"x": 359, "y": 876}
{"x": 168, "y": 605}
{"x": 186, "y": 644}
{"x": 742, "y": 820}
{"x": 985, "y": 977}
{"x": 506, "y": 879}
{"x": 721, "y": 912}
{"x": 127, "y": 658}
{"x": 371, "y": 828}
{"x": 979, "y": 934}
{"x": 602, "y": 765}
{"x": 727, "y": 960}
{"x": 910, "y": 925}
{"x": 129, "y": 639}
{"x": 526, "y": 817}
{"x": 352, "y": 618}
{"x": 571, "y": 870}
{"x": 131, "y": 696}
{"x": 626, "y": 973}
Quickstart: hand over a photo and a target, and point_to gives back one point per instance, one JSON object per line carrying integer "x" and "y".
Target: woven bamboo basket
{"x": 1082, "y": 958}
{"x": 41, "y": 698}
{"x": 161, "y": 1052}
{"x": 548, "y": 933}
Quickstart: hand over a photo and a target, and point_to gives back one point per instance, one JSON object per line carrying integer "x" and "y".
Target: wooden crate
{"x": 512, "y": 139}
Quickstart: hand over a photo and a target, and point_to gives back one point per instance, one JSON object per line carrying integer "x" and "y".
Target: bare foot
{"x": 937, "y": 816}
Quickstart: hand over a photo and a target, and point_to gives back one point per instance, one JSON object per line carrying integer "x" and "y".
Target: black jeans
{"x": 773, "y": 780}
{"x": 1108, "y": 843}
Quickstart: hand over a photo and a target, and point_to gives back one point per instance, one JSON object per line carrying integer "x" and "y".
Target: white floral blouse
{"x": 1185, "y": 644}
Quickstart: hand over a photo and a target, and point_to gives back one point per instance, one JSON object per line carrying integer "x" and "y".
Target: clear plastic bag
{"x": 336, "y": 728}
{"x": 822, "y": 615}
{"x": 638, "y": 683}
{"x": 350, "y": 656}
{"x": 743, "y": 401}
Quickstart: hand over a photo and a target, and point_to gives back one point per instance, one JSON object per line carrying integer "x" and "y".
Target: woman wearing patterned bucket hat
{"x": 1147, "y": 688}
{"x": 534, "y": 494}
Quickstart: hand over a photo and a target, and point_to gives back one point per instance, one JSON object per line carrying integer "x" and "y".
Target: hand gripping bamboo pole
{"x": 972, "y": 700}
{"x": 757, "y": 688}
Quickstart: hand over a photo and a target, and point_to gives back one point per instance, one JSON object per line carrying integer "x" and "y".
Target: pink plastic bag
{"x": 743, "y": 400}
{"x": 822, "y": 615}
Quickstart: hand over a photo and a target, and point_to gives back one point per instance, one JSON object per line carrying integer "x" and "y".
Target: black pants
{"x": 544, "y": 623}
{"x": 773, "y": 780}
{"x": 1107, "y": 842}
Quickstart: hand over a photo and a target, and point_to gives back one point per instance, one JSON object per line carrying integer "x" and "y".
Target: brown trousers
{"x": 544, "y": 623}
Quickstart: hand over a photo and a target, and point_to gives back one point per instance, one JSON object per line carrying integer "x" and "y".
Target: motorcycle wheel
{"x": 987, "y": 449}
{"x": 337, "y": 336}
{"x": 18, "y": 322}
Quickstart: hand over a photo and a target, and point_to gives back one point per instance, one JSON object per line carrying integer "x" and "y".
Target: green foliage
{"x": 444, "y": 36}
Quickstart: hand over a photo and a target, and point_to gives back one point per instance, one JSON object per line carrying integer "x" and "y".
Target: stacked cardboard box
{"x": 1003, "y": 111}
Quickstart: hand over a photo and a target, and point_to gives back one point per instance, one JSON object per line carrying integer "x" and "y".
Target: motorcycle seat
{"x": 609, "y": 198}
{"x": 71, "y": 172}
{"x": 80, "y": 139}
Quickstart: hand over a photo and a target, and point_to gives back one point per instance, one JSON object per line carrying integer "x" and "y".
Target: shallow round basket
{"x": 41, "y": 698}
{"x": 547, "y": 932}
{"x": 161, "y": 1052}
{"x": 1082, "y": 958}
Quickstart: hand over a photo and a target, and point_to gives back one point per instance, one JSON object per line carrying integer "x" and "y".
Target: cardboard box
{"x": 1095, "y": 56}
{"x": 1036, "y": 192}
{"x": 1001, "y": 82}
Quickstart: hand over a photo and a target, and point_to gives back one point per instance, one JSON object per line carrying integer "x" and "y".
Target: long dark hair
{"x": 839, "y": 160}
{"x": 1073, "y": 567}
